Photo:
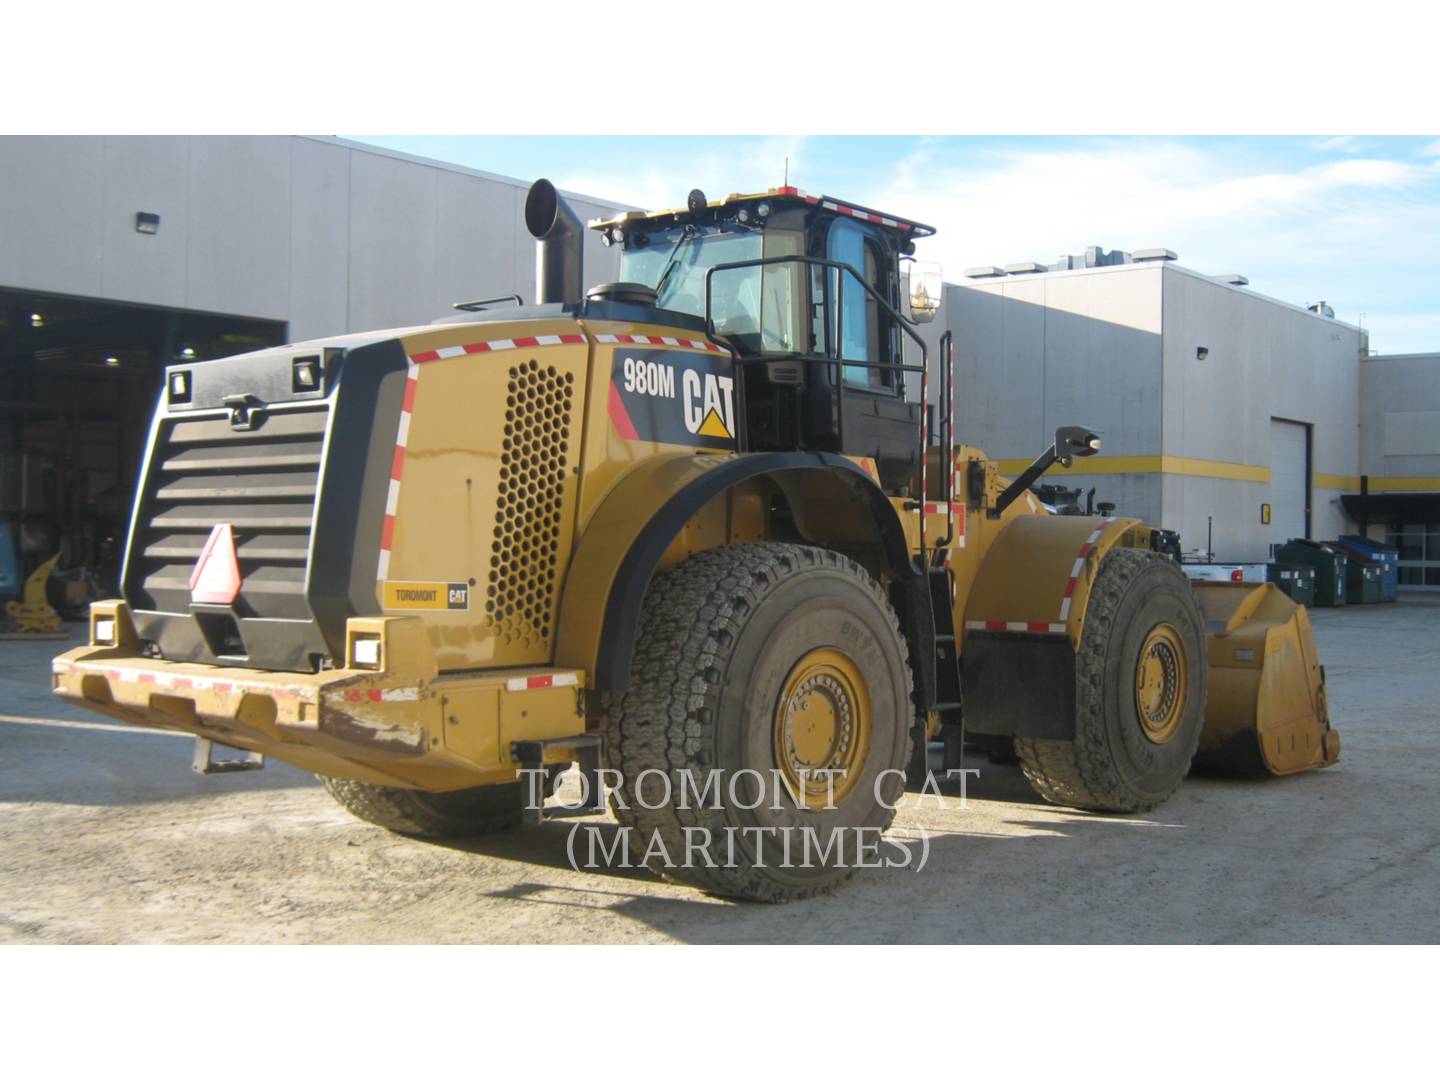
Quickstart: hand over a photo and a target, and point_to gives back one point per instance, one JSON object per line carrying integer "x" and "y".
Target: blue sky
{"x": 1352, "y": 220}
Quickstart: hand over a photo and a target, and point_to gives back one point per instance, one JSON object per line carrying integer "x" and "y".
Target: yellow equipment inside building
{"x": 695, "y": 527}
{"x": 32, "y": 614}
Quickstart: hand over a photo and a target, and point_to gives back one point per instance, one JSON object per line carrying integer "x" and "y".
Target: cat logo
{"x": 709, "y": 404}
{"x": 680, "y": 398}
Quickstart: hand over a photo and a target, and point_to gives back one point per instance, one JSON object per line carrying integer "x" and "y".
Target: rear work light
{"x": 365, "y": 652}
{"x": 104, "y": 632}
{"x": 179, "y": 387}
{"x": 305, "y": 374}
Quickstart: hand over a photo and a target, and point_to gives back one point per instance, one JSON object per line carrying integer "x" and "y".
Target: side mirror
{"x": 1073, "y": 442}
{"x": 926, "y": 289}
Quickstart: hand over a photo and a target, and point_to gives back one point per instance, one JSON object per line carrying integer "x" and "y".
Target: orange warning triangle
{"x": 216, "y": 577}
{"x": 714, "y": 426}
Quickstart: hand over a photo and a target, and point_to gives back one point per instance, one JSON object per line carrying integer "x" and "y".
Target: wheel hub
{"x": 823, "y": 721}
{"x": 1161, "y": 679}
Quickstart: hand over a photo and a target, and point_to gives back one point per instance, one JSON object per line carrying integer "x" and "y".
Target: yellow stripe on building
{"x": 1153, "y": 463}
{"x": 1403, "y": 483}
{"x": 1337, "y": 481}
{"x": 1220, "y": 470}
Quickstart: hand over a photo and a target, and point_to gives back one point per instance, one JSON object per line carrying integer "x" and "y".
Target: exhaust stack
{"x": 559, "y": 254}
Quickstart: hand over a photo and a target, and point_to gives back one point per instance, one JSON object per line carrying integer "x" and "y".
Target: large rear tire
{"x": 1139, "y": 692}
{"x": 754, "y": 665}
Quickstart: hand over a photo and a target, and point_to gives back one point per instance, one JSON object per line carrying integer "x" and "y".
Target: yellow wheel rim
{"x": 1161, "y": 681}
{"x": 823, "y": 720}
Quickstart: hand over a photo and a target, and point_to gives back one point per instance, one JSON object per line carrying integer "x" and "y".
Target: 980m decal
{"x": 673, "y": 397}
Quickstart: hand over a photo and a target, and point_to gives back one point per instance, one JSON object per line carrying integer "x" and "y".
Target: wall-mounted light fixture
{"x": 147, "y": 223}
{"x": 1201, "y": 353}
{"x": 112, "y": 361}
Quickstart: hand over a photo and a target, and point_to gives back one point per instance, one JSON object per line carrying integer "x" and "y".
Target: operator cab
{"x": 809, "y": 295}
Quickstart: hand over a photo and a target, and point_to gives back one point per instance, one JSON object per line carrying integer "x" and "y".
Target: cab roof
{"x": 783, "y": 195}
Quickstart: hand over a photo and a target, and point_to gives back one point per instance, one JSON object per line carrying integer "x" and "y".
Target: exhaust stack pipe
{"x": 559, "y": 251}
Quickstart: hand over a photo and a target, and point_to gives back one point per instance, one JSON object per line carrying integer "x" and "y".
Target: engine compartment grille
{"x": 263, "y": 482}
{"x": 520, "y": 595}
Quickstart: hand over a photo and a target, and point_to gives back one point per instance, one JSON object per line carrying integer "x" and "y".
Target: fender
{"x": 637, "y": 522}
{"x": 1024, "y": 618}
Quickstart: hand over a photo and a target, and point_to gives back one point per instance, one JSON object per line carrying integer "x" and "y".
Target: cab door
{"x": 860, "y": 333}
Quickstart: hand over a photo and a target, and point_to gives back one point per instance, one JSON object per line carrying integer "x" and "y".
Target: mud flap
{"x": 1267, "y": 711}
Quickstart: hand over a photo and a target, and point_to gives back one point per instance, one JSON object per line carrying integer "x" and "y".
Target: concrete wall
{"x": 1186, "y": 441}
{"x": 1265, "y": 359}
{"x": 1400, "y": 426}
{"x": 326, "y": 235}
{"x": 1038, "y": 351}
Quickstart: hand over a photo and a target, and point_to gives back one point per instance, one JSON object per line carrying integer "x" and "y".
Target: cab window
{"x": 859, "y": 332}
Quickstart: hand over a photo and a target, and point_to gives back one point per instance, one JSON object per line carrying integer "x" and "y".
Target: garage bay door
{"x": 1289, "y": 480}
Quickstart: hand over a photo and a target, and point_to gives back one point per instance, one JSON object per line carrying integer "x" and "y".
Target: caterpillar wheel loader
{"x": 694, "y": 527}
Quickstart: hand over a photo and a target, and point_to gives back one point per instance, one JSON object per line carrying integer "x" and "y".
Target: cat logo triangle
{"x": 714, "y": 426}
{"x": 216, "y": 577}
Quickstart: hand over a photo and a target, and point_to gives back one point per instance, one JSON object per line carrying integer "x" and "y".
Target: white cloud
{"x": 741, "y": 165}
{"x": 1357, "y": 231}
{"x": 1350, "y": 144}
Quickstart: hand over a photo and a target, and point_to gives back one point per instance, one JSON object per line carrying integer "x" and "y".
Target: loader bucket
{"x": 1266, "y": 709}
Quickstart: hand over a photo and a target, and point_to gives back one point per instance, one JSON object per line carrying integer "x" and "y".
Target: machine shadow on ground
{"x": 965, "y": 860}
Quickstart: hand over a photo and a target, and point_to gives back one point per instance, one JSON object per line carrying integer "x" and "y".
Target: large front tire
{"x": 1139, "y": 692}
{"x": 755, "y": 667}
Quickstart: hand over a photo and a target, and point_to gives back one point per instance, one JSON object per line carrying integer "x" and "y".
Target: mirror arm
{"x": 1021, "y": 483}
{"x": 1070, "y": 443}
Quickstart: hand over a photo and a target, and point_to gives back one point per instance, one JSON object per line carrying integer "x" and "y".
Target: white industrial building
{"x": 1226, "y": 415}
{"x": 1397, "y": 499}
{"x": 119, "y": 255}
{"x": 1234, "y": 418}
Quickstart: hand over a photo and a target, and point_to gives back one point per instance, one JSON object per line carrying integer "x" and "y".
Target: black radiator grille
{"x": 204, "y": 472}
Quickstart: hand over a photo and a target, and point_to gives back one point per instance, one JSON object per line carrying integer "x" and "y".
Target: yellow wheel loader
{"x": 693, "y": 530}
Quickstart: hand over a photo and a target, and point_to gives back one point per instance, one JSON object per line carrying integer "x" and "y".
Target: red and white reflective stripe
{"x": 182, "y": 682}
{"x": 956, "y": 507}
{"x": 1016, "y": 627}
{"x": 395, "y": 693}
{"x": 1079, "y": 566}
{"x": 543, "y": 682}
{"x": 397, "y": 469}
{"x": 499, "y": 345}
{"x": 850, "y": 211}
{"x": 924, "y": 454}
{"x": 642, "y": 339}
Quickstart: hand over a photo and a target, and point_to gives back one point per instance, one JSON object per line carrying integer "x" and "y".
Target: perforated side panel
{"x": 520, "y": 598}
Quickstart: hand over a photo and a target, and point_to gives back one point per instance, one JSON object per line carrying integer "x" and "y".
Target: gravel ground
{"x": 107, "y": 836}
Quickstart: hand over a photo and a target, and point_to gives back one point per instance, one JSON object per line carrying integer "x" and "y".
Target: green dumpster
{"x": 1295, "y": 580}
{"x": 1363, "y": 581}
{"x": 1329, "y": 564}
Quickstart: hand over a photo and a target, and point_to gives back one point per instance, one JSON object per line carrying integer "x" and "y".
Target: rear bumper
{"x": 404, "y": 726}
